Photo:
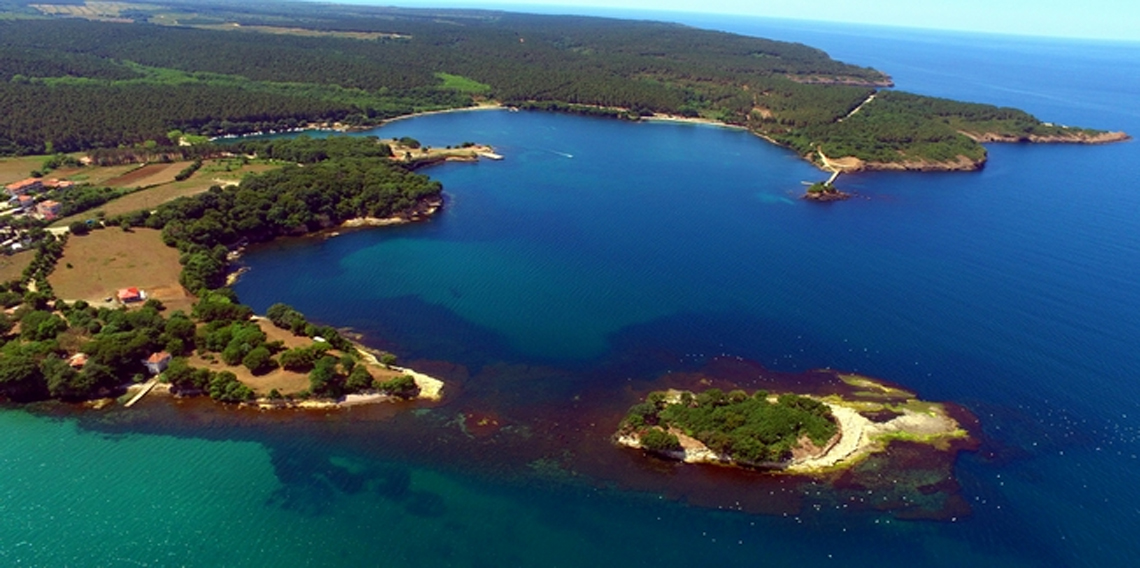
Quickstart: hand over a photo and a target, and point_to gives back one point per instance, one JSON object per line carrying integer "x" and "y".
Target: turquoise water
{"x": 600, "y": 256}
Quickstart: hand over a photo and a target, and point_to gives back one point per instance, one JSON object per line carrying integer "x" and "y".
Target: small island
{"x": 823, "y": 191}
{"x": 787, "y": 432}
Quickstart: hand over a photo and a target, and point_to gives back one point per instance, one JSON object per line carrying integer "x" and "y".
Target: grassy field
{"x": 213, "y": 172}
{"x": 12, "y": 267}
{"x": 97, "y": 175}
{"x": 94, "y": 266}
{"x": 16, "y": 169}
{"x": 463, "y": 84}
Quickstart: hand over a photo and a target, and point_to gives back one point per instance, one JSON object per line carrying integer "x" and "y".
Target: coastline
{"x": 430, "y": 390}
{"x": 486, "y": 105}
{"x": 960, "y": 164}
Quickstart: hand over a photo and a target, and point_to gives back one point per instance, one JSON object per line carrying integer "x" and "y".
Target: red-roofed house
{"x": 128, "y": 295}
{"x": 157, "y": 362}
{"x": 49, "y": 209}
{"x": 25, "y": 202}
{"x": 23, "y": 186}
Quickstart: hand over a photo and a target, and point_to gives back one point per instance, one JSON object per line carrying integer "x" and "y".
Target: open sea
{"x": 602, "y": 259}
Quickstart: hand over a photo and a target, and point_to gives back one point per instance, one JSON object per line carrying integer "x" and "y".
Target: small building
{"x": 157, "y": 362}
{"x": 77, "y": 361}
{"x": 25, "y": 202}
{"x": 129, "y": 295}
{"x": 22, "y": 187}
{"x": 49, "y": 209}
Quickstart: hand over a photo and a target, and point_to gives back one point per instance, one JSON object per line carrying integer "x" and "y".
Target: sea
{"x": 603, "y": 259}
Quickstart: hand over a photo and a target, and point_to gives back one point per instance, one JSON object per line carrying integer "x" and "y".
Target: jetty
{"x": 834, "y": 167}
{"x": 489, "y": 155}
{"x": 146, "y": 388}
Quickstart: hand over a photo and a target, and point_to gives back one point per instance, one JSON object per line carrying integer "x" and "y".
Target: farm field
{"x": 213, "y": 172}
{"x": 94, "y": 266}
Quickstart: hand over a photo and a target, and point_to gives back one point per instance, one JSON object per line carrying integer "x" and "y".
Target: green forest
{"x": 69, "y": 84}
{"x": 750, "y": 429}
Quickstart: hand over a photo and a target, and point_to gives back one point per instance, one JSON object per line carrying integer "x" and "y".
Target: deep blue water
{"x": 601, "y": 254}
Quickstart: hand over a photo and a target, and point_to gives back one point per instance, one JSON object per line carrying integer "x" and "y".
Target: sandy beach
{"x": 480, "y": 106}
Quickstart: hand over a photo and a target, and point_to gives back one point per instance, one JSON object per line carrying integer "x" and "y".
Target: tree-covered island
{"x": 824, "y": 191}
{"x": 108, "y": 75}
{"x": 785, "y": 432}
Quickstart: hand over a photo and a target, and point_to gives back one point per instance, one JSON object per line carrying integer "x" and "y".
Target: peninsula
{"x": 109, "y": 301}
{"x": 108, "y": 75}
{"x": 790, "y": 433}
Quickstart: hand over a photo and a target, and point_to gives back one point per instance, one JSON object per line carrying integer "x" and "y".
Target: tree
{"x": 20, "y": 377}
{"x": 78, "y": 228}
{"x": 37, "y": 325}
{"x": 323, "y": 379}
{"x": 658, "y": 440}
{"x": 259, "y": 361}
{"x": 285, "y": 317}
{"x": 359, "y": 379}
{"x": 180, "y": 327}
{"x": 302, "y": 358}
{"x": 225, "y": 387}
{"x": 65, "y": 382}
{"x": 403, "y": 386}
{"x": 233, "y": 354}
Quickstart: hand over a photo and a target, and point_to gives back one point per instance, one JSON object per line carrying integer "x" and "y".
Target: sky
{"x": 1095, "y": 19}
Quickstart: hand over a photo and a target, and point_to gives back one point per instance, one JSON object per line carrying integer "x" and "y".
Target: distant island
{"x": 784, "y": 432}
{"x": 110, "y": 75}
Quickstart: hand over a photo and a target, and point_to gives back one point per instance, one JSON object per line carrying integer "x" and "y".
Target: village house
{"x": 49, "y": 209}
{"x": 157, "y": 362}
{"x": 22, "y": 187}
{"x": 77, "y": 361}
{"x": 129, "y": 295}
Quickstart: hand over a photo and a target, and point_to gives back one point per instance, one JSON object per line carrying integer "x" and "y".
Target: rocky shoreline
{"x": 1078, "y": 137}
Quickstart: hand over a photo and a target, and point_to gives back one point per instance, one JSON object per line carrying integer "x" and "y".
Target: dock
{"x": 146, "y": 388}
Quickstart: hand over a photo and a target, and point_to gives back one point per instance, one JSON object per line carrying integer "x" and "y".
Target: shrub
{"x": 259, "y": 361}
{"x": 78, "y": 228}
{"x": 658, "y": 440}
{"x": 358, "y": 379}
{"x": 403, "y": 386}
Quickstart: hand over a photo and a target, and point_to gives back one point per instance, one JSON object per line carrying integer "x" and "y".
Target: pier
{"x": 146, "y": 388}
